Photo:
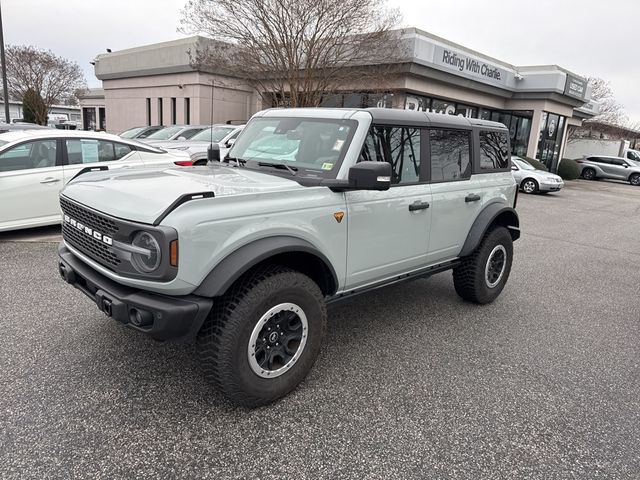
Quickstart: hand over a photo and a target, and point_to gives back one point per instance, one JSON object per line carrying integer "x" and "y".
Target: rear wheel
{"x": 264, "y": 336}
{"x": 529, "y": 185}
{"x": 589, "y": 174}
{"x": 634, "y": 179}
{"x": 482, "y": 275}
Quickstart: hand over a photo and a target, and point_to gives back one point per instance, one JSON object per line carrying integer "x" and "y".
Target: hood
{"x": 142, "y": 195}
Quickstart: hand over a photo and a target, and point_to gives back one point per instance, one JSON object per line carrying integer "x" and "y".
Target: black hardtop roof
{"x": 396, "y": 116}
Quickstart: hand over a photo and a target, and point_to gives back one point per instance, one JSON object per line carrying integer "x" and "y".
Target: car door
{"x": 80, "y": 153}
{"x": 619, "y": 168}
{"x": 457, "y": 195}
{"x": 389, "y": 230}
{"x": 30, "y": 180}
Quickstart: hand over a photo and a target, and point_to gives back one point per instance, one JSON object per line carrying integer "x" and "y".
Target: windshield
{"x": 212, "y": 134}
{"x": 633, "y": 155}
{"x": 132, "y": 132}
{"x": 316, "y": 146}
{"x": 523, "y": 164}
{"x": 165, "y": 133}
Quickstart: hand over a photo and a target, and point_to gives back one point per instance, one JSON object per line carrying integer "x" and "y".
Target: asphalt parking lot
{"x": 412, "y": 382}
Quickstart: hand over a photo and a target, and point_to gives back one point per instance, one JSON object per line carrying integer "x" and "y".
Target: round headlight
{"x": 146, "y": 263}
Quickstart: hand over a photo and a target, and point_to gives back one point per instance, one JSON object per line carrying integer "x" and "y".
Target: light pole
{"x": 4, "y": 72}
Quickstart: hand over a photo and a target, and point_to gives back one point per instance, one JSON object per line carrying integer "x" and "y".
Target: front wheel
{"x": 482, "y": 275}
{"x": 634, "y": 179}
{"x": 263, "y": 337}
{"x": 529, "y": 185}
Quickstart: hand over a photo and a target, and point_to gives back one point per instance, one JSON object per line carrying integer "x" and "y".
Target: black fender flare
{"x": 492, "y": 213}
{"x": 237, "y": 263}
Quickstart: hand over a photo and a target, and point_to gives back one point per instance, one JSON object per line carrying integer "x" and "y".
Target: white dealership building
{"x": 157, "y": 84}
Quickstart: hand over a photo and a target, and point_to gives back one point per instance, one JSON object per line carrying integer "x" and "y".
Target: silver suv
{"x": 615, "y": 168}
{"x": 310, "y": 206}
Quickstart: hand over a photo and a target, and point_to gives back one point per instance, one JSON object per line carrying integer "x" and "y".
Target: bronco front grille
{"x": 95, "y": 249}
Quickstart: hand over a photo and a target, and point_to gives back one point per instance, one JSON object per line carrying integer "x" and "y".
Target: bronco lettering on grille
{"x": 88, "y": 230}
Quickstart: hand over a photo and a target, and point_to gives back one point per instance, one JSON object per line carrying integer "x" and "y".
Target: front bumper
{"x": 551, "y": 187}
{"x": 161, "y": 317}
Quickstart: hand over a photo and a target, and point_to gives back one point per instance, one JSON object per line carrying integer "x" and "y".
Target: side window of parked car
{"x": 494, "y": 150}
{"x": 450, "y": 155}
{"x": 29, "y": 155}
{"x": 88, "y": 150}
{"x": 400, "y": 146}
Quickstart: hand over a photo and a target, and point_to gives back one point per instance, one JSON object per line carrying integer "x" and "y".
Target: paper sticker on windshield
{"x": 327, "y": 166}
{"x": 338, "y": 145}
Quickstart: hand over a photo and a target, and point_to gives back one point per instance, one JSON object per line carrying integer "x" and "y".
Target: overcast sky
{"x": 588, "y": 37}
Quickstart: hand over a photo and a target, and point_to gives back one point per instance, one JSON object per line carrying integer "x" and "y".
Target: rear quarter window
{"x": 494, "y": 150}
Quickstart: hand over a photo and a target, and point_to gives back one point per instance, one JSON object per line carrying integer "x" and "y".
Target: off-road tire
{"x": 469, "y": 278}
{"x": 589, "y": 174}
{"x": 634, "y": 179}
{"x": 529, "y": 185}
{"x": 223, "y": 340}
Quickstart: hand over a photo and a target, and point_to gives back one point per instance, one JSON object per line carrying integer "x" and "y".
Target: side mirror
{"x": 181, "y": 138}
{"x": 370, "y": 176}
{"x": 231, "y": 142}
{"x": 513, "y": 167}
{"x": 213, "y": 153}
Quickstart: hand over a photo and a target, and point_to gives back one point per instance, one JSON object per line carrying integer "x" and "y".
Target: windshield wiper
{"x": 281, "y": 166}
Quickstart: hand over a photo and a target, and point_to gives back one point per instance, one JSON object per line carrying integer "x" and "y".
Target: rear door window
{"x": 450, "y": 155}
{"x": 89, "y": 150}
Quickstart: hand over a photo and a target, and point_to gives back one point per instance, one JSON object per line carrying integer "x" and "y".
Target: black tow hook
{"x": 106, "y": 306}
{"x": 66, "y": 273}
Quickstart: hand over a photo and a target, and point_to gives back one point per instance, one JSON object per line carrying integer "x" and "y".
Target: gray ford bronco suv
{"x": 310, "y": 206}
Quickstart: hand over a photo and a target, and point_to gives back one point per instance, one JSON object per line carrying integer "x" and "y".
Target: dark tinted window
{"x": 399, "y": 146}
{"x": 450, "y": 155}
{"x": 494, "y": 150}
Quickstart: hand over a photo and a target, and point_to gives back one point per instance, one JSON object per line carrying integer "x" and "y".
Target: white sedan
{"x": 36, "y": 164}
{"x": 532, "y": 180}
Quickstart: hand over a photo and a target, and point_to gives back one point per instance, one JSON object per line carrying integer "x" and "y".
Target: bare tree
{"x": 610, "y": 110}
{"x": 610, "y": 117}
{"x": 294, "y": 52}
{"x": 54, "y": 78}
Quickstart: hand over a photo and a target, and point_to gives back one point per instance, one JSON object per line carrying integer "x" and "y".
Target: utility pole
{"x": 4, "y": 72}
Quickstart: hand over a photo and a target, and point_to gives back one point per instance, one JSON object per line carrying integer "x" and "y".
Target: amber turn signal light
{"x": 173, "y": 253}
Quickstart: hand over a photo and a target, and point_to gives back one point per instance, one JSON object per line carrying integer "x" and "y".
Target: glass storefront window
{"x": 443, "y": 106}
{"x": 550, "y": 139}
{"x": 466, "y": 111}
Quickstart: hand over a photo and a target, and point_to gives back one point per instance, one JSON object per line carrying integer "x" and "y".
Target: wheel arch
{"x": 631, "y": 175}
{"x": 292, "y": 252}
{"x": 529, "y": 178}
{"x": 492, "y": 214}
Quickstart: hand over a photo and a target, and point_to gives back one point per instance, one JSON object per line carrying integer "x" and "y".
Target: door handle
{"x": 472, "y": 197}
{"x": 418, "y": 205}
{"x": 49, "y": 180}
